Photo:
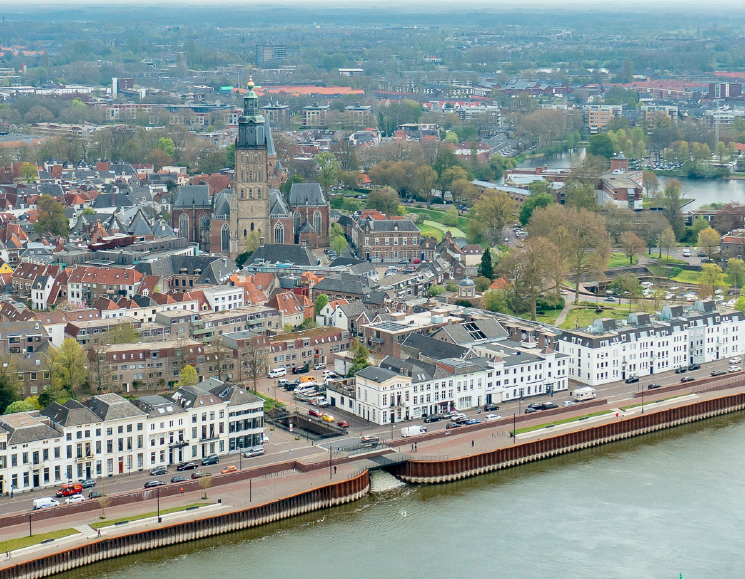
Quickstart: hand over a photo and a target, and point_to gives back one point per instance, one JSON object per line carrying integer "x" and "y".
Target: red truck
{"x": 67, "y": 490}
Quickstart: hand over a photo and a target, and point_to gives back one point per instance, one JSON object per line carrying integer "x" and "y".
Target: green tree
{"x": 721, "y": 151}
{"x": 122, "y": 334}
{"x": 699, "y": 224}
{"x": 582, "y": 195}
{"x": 632, "y": 245}
{"x": 627, "y": 285}
{"x": 166, "y": 145}
{"x": 435, "y": 290}
{"x": 708, "y": 240}
{"x": 672, "y": 207}
{"x": 360, "y": 357}
{"x": 287, "y": 185}
{"x": 423, "y": 181}
{"x": 71, "y": 365}
{"x": 487, "y": 269}
{"x": 735, "y": 272}
{"x": 19, "y": 406}
{"x": 339, "y": 244}
{"x": 8, "y": 393}
{"x": 492, "y": 212}
{"x": 188, "y": 376}
{"x": 328, "y": 166}
{"x": 89, "y": 211}
{"x": 712, "y": 279}
{"x": 321, "y": 301}
{"x": 601, "y": 145}
{"x": 668, "y": 241}
{"x": 532, "y": 203}
{"x": 496, "y": 301}
{"x": 52, "y": 218}
{"x": 385, "y": 200}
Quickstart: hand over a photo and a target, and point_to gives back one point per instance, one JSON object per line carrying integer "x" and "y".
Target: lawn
{"x": 585, "y": 316}
{"x": 110, "y": 522}
{"x": 428, "y": 231}
{"x": 454, "y": 231}
{"x": 653, "y": 401}
{"x": 21, "y": 542}
{"x": 437, "y": 216}
{"x": 688, "y": 276}
{"x": 269, "y": 403}
{"x": 564, "y": 421}
{"x": 620, "y": 260}
{"x": 548, "y": 317}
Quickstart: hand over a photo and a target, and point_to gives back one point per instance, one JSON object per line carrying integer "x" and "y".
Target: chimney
{"x": 261, "y": 242}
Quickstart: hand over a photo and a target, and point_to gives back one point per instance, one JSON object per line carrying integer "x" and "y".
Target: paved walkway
{"x": 240, "y": 495}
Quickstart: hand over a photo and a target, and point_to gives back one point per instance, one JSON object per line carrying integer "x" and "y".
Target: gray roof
{"x": 193, "y": 195}
{"x": 306, "y": 194}
{"x": 214, "y": 268}
{"x": 112, "y": 407}
{"x": 348, "y": 284}
{"x": 106, "y": 200}
{"x": 156, "y": 405}
{"x": 71, "y": 413}
{"x": 280, "y": 253}
{"x": 474, "y": 331}
{"x": 392, "y": 225}
{"x": 434, "y": 349}
{"x": 377, "y": 374}
{"x": 235, "y": 395}
{"x": 24, "y": 427}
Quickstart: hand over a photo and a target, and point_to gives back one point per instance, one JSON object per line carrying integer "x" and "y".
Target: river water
{"x": 699, "y": 191}
{"x": 651, "y": 507}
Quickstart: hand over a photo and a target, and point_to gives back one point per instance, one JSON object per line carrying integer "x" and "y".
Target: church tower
{"x": 250, "y": 208}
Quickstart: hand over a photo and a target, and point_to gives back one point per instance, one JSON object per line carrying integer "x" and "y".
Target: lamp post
{"x": 642, "y": 401}
{"x": 158, "y": 489}
{"x": 514, "y": 428}
{"x": 29, "y": 524}
{"x": 331, "y": 474}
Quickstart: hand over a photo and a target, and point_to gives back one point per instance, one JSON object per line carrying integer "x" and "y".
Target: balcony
{"x": 84, "y": 458}
{"x": 178, "y": 444}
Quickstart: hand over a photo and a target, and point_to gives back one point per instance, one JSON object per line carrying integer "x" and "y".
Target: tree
{"x": 205, "y": 482}
{"x": 651, "y": 184}
{"x": 532, "y": 203}
{"x": 487, "y": 269}
{"x": 496, "y": 301}
{"x": 223, "y": 353}
{"x": 492, "y": 211}
{"x": 699, "y": 224}
{"x": 649, "y": 226}
{"x": 589, "y": 170}
{"x": 730, "y": 217}
{"x": 122, "y": 334}
{"x": 98, "y": 369}
{"x": 672, "y": 207}
{"x": 601, "y": 145}
{"x": 423, "y": 181}
{"x": 668, "y": 241}
{"x": 721, "y": 151}
{"x": 70, "y": 365}
{"x": 632, "y": 245}
{"x": 452, "y": 174}
{"x": 8, "y": 393}
{"x": 579, "y": 235}
{"x": 581, "y": 195}
{"x": 360, "y": 357}
{"x": 255, "y": 360}
{"x": 321, "y": 301}
{"x": 188, "y": 376}
{"x": 19, "y": 406}
{"x": 339, "y": 244}
{"x": 385, "y": 200}
{"x": 287, "y": 185}
{"x": 463, "y": 191}
{"x": 708, "y": 240}
{"x": 735, "y": 272}
{"x": 52, "y": 218}
{"x": 435, "y": 290}
{"x": 328, "y": 165}
{"x": 712, "y": 279}
{"x": 627, "y": 285}
{"x": 103, "y": 502}
{"x": 251, "y": 242}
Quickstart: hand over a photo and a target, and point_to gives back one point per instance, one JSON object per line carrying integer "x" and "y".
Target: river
{"x": 699, "y": 191}
{"x": 650, "y": 507}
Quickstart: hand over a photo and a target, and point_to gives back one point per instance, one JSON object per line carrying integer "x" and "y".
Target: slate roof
{"x": 23, "y": 427}
{"x": 348, "y": 284}
{"x": 215, "y": 269}
{"x": 108, "y": 200}
{"x": 392, "y": 225}
{"x": 193, "y": 195}
{"x": 376, "y": 374}
{"x": 280, "y": 253}
{"x": 112, "y": 407}
{"x": 234, "y": 395}
{"x": 434, "y": 349}
{"x": 156, "y": 405}
{"x": 71, "y": 413}
{"x": 306, "y": 194}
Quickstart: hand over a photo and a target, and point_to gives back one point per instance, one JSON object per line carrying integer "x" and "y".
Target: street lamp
{"x": 158, "y": 489}
{"x": 642, "y": 401}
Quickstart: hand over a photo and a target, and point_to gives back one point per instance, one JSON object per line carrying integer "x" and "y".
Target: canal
{"x": 699, "y": 191}
{"x": 650, "y": 507}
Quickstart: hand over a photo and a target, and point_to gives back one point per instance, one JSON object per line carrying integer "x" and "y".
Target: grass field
{"x": 21, "y": 542}
{"x": 429, "y": 231}
{"x": 564, "y": 421}
{"x": 269, "y": 403}
{"x": 454, "y": 231}
{"x": 110, "y": 522}
{"x": 585, "y": 316}
{"x": 687, "y": 276}
{"x": 620, "y": 260}
{"x": 549, "y": 317}
{"x": 437, "y": 216}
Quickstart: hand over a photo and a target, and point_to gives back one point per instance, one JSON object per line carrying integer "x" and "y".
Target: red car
{"x": 343, "y": 423}
{"x": 315, "y": 413}
{"x": 69, "y": 490}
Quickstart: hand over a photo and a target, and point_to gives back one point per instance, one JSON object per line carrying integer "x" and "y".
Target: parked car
{"x": 45, "y": 503}
{"x": 343, "y": 423}
{"x": 87, "y": 483}
{"x": 568, "y": 403}
{"x": 694, "y": 367}
{"x": 210, "y": 460}
{"x": 178, "y": 479}
{"x": 74, "y": 499}
{"x": 328, "y": 417}
{"x": 549, "y": 406}
{"x": 718, "y": 373}
{"x": 735, "y": 360}
{"x": 735, "y": 369}
{"x": 681, "y": 370}
{"x": 687, "y": 379}
{"x": 491, "y": 417}
{"x": 250, "y": 453}
{"x": 610, "y": 299}
{"x": 632, "y": 379}
{"x": 461, "y": 419}
{"x": 154, "y": 483}
{"x": 472, "y": 421}
{"x": 278, "y": 372}
{"x": 319, "y": 366}
{"x": 95, "y": 495}
{"x": 191, "y": 465}
{"x": 432, "y": 418}
{"x": 316, "y": 413}
{"x": 158, "y": 470}
{"x": 653, "y": 386}
{"x": 199, "y": 474}
{"x": 453, "y": 425}
{"x": 490, "y": 407}
{"x": 301, "y": 369}
{"x": 229, "y": 468}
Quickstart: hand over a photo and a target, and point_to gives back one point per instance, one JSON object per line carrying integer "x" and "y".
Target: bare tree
{"x": 98, "y": 369}
{"x": 255, "y": 359}
{"x": 222, "y": 353}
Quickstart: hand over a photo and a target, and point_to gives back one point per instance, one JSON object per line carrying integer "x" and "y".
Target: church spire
{"x": 251, "y": 130}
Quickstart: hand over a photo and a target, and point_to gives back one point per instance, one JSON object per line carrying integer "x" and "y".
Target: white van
{"x": 407, "y": 431}
{"x": 45, "y": 502}
{"x": 584, "y": 393}
{"x": 277, "y": 372}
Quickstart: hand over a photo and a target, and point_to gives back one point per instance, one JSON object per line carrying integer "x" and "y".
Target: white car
{"x": 735, "y": 369}
{"x": 568, "y": 403}
{"x": 735, "y": 360}
{"x": 254, "y": 452}
{"x": 319, "y": 366}
{"x": 491, "y": 418}
{"x": 74, "y": 499}
{"x": 278, "y": 372}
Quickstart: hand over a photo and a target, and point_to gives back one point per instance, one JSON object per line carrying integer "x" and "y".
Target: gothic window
{"x": 317, "y": 222}
{"x": 245, "y": 232}
{"x": 252, "y": 226}
{"x": 279, "y": 233}
{"x": 225, "y": 238}
{"x": 183, "y": 225}
{"x": 258, "y": 192}
{"x": 251, "y": 192}
{"x": 242, "y": 195}
{"x": 250, "y": 175}
{"x": 202, "y": 222}
{"x": 296, "y": 220}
